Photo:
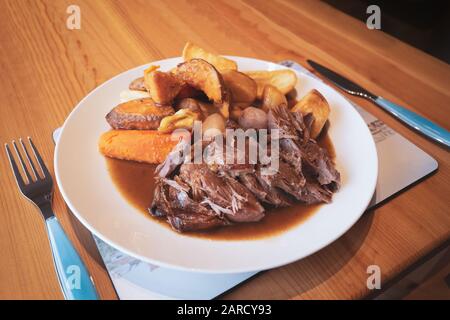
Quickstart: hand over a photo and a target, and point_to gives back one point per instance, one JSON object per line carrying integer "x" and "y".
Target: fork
{"x": 74, "y": 278}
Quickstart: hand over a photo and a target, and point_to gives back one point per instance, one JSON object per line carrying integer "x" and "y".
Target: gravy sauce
{"x": 136, "y": 183}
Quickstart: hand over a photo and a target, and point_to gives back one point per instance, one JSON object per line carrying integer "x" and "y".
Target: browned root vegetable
{"x": 142, "y": 114}
{"x": 192, "y": 51}
{"x": 253, "y": 118}
{"x": 138, "y": 145}
{"x": 242, "y": 87}
{"x": 203, "y": 76}
{"x": 272, "y": 98}
{"x": 313, "y": 102}
{"x": 138, "y": 84}
{"x": 284, "y": 80}
{"x": 163, "y": 87}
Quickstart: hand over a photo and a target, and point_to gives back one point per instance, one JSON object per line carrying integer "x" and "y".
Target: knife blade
{"x": 340, "y": 81}
{"x": 414, "y": 120}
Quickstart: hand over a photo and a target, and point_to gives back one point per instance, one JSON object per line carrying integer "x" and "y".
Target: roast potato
{"x": 138, "y": 84}
{"x": 192, "y": 51}
{"x": 242, "y": 87}
{"x": 271, "y": 98}
{"x": 141, "y": 114}
{"x": 284, "y": 80}
{"x": 163, "y": 87}
{"x": 203, "y": 76}
{"x": 138, "y": 145}
{"x": 313, "y": 102}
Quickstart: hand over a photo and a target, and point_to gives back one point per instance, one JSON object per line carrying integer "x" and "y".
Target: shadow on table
{"x": 86, "y": 239}
{"x": 289, "y": 281}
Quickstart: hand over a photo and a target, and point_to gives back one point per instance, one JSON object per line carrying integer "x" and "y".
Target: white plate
{"x": 87, "y": 188}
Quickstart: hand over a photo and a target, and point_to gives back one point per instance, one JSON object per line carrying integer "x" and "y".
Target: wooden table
{"x": 46, "y": 69}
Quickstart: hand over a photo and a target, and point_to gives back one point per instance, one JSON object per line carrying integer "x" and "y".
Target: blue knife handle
{"x": 416, "y": 121}
{"x": 74, "y": 278}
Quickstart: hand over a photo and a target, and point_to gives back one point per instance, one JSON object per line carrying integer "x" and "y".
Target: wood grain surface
{"x": 46, "y": 69}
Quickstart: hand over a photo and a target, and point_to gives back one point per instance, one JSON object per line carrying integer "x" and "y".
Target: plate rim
{"x": 281, "y": 262}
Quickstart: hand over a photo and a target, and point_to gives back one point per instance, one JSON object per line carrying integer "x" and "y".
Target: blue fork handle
{"x": 74, "y": 278}
{"x": 416, "y": 121}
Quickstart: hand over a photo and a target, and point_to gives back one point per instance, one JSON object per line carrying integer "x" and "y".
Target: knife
{"x": 414, "y": 120}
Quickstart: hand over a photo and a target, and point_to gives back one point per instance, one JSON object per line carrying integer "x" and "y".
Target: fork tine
{"x": 14, "y": 168}
{"x": 39, "y": 159}
{"x": 33, "y": 168}
{"x": 24, "y": 167}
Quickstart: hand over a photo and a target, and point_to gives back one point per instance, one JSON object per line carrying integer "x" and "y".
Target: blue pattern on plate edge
{"x": 117, "y": 262}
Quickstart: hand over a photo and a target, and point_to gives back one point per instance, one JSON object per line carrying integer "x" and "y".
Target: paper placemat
{"x": 400, "y": 163}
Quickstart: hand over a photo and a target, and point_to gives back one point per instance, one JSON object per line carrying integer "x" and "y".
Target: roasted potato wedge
{"x": 141, "y": 114}
{"x": 313, "y": 102}
{"x": 138, "y": 84}
{"x": 138, "y": 145}
{"x": 202, "y": 76}
{"x": 163, "y": 87}
{"x": 242, "y": 87}
{"x": 272, "y": 98}
{"x": 284, "y": 80}
{"x": 192, "y": 51}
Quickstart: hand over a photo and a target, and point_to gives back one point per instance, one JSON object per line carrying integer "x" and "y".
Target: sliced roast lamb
{"x": 219, "y": 160}
{"x": 286, "y": 178}
{"x": 299, "y": 150}
{"x": 219, "y": 192}
{"x": 222, "y": 193}
{"x": 180, "y": 210}
{"x": 274, "y": 196}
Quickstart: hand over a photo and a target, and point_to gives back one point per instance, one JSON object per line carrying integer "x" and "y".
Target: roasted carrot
{"x": 148, "y": 146}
